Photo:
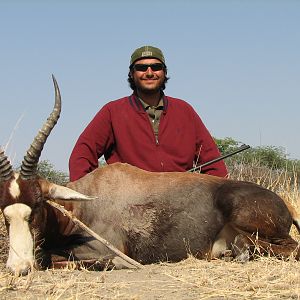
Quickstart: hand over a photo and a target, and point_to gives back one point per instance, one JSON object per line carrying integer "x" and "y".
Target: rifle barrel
{"x": 240, "y": 149}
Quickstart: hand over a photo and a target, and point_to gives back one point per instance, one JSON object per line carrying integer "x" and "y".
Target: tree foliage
{"x": 274, "y": 158}
{"x": 227, "y": 145}
{"x": 46, "y": 170}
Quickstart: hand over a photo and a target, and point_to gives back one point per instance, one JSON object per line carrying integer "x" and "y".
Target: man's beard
{"x": 149, "y": 91}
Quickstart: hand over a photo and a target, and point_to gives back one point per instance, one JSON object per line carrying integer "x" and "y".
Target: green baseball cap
{"x": 147, "y": 52}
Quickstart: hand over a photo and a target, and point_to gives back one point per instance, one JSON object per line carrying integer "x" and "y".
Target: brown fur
{"x": 168, "y": 215}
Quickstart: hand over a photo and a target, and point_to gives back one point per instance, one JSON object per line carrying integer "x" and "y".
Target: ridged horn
{"x": 6, "y": 170}
{"x": 31, "y": 159}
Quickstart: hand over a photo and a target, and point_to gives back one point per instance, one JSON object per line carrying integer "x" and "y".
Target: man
{"x": 148, "y": 129}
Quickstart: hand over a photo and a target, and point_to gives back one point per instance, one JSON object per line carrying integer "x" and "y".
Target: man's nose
{"x": 149, "y": 72}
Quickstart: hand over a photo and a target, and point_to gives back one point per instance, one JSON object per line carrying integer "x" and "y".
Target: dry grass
{"x": 264, "y": 278}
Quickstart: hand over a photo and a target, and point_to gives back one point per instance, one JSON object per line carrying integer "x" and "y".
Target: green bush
{"x": 46, "y": 170}
{"x": 258, "y": 160}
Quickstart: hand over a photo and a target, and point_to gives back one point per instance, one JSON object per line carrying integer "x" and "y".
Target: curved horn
{"x": 6, "y": 170}
{"x": 31, "y": 159}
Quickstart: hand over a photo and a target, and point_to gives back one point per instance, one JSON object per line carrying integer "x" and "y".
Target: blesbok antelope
{"x": 148, "y": 216}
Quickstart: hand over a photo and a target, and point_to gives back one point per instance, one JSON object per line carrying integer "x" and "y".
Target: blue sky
{"x": 236, "y": 62}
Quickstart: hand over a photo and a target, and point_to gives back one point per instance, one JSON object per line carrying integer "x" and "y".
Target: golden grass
{"x": 265, "y": 278}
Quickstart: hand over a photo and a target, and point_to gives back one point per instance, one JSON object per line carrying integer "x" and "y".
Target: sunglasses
{"x": 144, "y": 67}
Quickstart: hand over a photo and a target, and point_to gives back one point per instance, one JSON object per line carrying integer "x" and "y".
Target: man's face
{"x": 148, "y": 80}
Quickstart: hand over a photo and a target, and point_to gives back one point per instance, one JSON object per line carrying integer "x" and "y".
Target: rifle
{"x": 240, "y": 149}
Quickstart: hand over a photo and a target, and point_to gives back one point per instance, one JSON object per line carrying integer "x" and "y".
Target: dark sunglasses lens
{"x": 144, "y": 68}
{"x": 156, "y": 67}
{"x": 140, "y": 67}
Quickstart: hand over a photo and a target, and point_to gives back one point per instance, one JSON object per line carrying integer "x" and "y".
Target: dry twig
{"x": 95, "y": 235}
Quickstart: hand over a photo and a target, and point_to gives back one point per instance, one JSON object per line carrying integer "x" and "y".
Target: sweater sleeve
{"x": 207, "y": 150}
{"x": 93, "y": 142}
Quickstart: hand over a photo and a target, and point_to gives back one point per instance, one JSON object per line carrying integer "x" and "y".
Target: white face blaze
{"x": 14, "y": 188}
{"x": 20, "y": 257}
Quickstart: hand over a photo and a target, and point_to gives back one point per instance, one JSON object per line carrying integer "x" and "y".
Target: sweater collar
{"x": 147, "y": 106}
{"x": 136, "y": 103}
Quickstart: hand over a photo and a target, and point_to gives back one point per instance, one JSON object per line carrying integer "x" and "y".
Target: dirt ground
{"x": 265, "y": 278}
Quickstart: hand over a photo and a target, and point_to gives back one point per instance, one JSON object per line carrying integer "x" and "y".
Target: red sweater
{"x": 122, "y": 132}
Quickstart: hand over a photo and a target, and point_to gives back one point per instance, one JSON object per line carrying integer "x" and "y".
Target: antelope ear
{"x": 54, "y": 191}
